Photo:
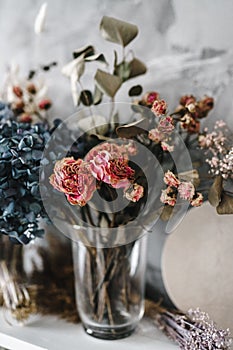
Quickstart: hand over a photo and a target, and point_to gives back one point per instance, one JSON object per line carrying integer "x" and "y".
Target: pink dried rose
{"x": 116, "y": 151}
{"x": 171, "y": 180}
{"x": 149, "y": 98}
{"x": 115, "y": 172}
{"x": 159, "y": 107}
{"x": 109, "y": 163}
{"x": 120, "y": 173}
{"x": 166, "y": 125}
{"x": 186, "y": 190}
{"x": 197, "y": 200}
{"x": 99, "y": 164}
{"x": 74, "y": 179}
{"x": 166, "y": 147}
{"x": 134, "y": 192}
{"x": 168, "y": 196}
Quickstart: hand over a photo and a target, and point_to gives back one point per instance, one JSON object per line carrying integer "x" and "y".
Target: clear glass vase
{"x": 109, "y": 284}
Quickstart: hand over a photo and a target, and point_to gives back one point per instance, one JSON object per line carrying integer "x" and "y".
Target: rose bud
{"x": 25, "y": 118}
{"x": 17, "y": 91}
{"x": 187, "y": 99}
{"x": 31, "y": 89}
{"x": 18, "y": 106}
{"x": 150, "y": 97}
{"x": 45, "y": 104}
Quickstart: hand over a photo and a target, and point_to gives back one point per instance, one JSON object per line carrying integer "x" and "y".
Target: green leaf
{"x": 226, "y": 205}
{"x": 86, "y": 51}
{"x": 97, "y": 96}
{"x": 122, "y": 70}
{"x": 135, "y": 90}
{"x": 215, "y": 192}
{"x": 86, "y": 98}
{"x": 117, "y": 31}
{"x": 136, "y": 68}
{"x": 109, "y": 84}
{"x": 133, "y": 129}
{"x": 98, "y": 57}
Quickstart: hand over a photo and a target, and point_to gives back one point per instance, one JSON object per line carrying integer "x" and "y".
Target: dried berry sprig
{"x": 219, "y": 149}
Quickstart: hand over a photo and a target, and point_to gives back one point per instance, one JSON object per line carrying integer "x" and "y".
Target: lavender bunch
{"x": 193, "y": 331}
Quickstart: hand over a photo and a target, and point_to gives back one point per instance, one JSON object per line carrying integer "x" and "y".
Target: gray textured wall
{"x": 177, "y": 39}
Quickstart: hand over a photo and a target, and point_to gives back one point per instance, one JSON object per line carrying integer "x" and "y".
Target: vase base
{"x": 108, "y": 333}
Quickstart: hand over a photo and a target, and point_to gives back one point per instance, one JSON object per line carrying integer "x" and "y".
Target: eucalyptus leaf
{"x": 136, "y": 68}
{"x": 109, "y": 84}
{"x": 85, "y": 51}
{"x": 74, "y": 68}
{"x": 97, "y": 57}
{"x": 215, "y": 192}
{"x": 115, "y": 59}
{"x": 118, "y": 31}
{"x": 135, "y": 90}
{"x": 86, "y": 98}
{"x": 97, "y": 96}
{"x": 122, "y": 70}
{"x": 226, "y": 205}
{"x": 101, "y": 137}
{"x": 133, "y": 129}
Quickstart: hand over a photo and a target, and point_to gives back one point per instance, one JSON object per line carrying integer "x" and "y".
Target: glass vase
{"x": 109, "y": 284}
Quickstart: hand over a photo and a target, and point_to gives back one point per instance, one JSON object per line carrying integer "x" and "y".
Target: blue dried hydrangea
{"x": 5, "y": 112}
{"x": 21, "y": 207}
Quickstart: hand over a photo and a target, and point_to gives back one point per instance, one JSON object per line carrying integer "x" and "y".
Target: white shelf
{"x": 54, "y": 334}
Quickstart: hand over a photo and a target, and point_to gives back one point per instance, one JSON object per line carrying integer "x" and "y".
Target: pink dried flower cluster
{"x": 78, "y": 179}
{"x": 175, "y": 187}
{"x": 134, "y": 192}
{"x": 149, "y": 98}
{"x": 220, "y": 150}
{"x": 192, "y": 110}
{"x": 159, "y": 108}
{"x": 162, "y": 133}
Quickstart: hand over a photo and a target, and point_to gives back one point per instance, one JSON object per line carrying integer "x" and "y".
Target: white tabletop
{"x": 54, "y": 334}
